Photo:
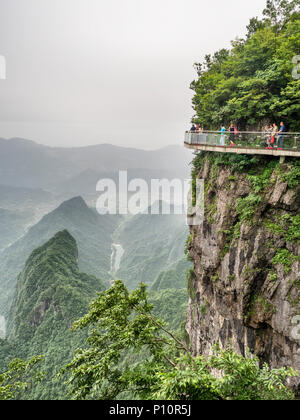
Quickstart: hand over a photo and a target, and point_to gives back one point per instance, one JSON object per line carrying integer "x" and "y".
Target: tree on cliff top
{"x": 253, "y": 82}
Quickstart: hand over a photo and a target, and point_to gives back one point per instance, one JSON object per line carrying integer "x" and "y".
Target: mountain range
{"x": 50, "y": 294}
{"x": 51, "y": 234}
{"x": 152, "y": 244}
{"x": 91, "y": 231}
{"x": 24, "y": 163}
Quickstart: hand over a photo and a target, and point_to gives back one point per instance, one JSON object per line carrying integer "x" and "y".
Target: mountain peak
{"x": 74, "y": 203}
{"x": 63, "y": 235}
{"x": 49, "y": 288}
{"x": 61, "y": 244}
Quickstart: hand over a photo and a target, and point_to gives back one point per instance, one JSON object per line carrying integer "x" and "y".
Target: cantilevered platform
{"x": 248, "y": 143}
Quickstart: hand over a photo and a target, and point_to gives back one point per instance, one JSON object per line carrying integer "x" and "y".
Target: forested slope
{"x": 257, "y": 80}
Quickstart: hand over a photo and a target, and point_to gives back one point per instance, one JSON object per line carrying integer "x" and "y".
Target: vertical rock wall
{"x": 245, "y": 287}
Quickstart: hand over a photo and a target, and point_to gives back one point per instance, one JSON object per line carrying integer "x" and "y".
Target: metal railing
{"x": 245, "y": 139}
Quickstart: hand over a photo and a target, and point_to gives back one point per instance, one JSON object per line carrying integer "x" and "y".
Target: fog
{"x": 81, "y": 72}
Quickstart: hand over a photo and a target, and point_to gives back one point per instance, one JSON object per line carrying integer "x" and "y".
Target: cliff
{"x": 244, "y": 289}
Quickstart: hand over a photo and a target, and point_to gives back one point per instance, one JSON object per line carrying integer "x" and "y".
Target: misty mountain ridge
{"x": 91, "y": 231}
{"x": 24, "y": 163}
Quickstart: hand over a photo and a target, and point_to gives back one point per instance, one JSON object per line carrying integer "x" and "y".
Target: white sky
{"x": 83, "y": 72}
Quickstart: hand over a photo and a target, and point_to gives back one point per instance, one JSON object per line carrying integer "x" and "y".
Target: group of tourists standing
{"x": 273, "y": 136}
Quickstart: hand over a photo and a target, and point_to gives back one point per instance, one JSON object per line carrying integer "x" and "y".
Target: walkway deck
{"x": 245, "y": 143}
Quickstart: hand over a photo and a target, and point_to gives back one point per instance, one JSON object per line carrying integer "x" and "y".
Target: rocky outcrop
{"x": 245, "y": 287}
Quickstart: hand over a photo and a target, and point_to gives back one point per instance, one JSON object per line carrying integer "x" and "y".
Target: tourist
{"x": 268, "y": 135}
{"x": 273, "y": 133}
{"x": 193, "y": 129}
{"x": 233, "y": 132}
{"x": 281, "y": 134}
{"x": 223, "y": 137}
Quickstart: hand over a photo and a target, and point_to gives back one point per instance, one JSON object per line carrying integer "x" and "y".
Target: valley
{"x": 49, "y": 237}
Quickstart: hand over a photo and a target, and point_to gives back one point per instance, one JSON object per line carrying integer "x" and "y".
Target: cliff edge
{"x": 245, "y": 286}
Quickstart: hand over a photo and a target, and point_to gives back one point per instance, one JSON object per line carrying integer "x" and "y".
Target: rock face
{"x": 245, "y": 287}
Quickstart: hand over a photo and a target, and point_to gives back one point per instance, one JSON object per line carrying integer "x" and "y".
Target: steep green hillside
{"x": 170, "y": 305}
{"x": 174, "y": 277}
{"x": 51, "y": 294}
{"x": 169, "y": 294}
{"x": 91, "y": 231}
{"x": 152, "y": 243}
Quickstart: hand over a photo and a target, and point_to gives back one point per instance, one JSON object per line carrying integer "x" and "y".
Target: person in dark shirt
{"x": 232, "y": 135}
{"x": 281, "y": 134}
{"x": 193, "y": 129}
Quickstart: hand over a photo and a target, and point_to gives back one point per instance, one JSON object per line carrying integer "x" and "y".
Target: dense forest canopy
{"x": 257, "y": 81}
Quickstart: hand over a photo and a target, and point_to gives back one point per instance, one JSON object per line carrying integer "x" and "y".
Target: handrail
{"x": 245, "y": 139}
{"x": 264, "y": 133}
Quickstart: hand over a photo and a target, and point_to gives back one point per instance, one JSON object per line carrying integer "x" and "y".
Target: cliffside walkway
{"x": 248, "y": 143}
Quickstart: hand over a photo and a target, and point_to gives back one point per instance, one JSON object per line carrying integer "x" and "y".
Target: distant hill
{"x": 24, "y": 163}
{"x": 152, "y": 244}
{"x": 91, "y": 231}
{"x": 19, "y": 198}
{"x": 13, "y": 225}
{"x": 51, "y": 294}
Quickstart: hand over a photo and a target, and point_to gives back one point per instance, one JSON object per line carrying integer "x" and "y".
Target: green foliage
{"x": 243, "y": 379}
{"x": 121, "y": 322}
{"x": 193, "y": 381}
{"x": 91, "y": 231}
{"x": 261, "y": 181}
{"x": 253, "y": 81}
{"x": 246, "y": 207}
{"x": 203, "y": 308}
{"x": 187, "y": 247}
{"x": 285, "y": 258}
{"x": 170, "y": 305}
{"x": 292, "y": 177}
{"x": 229, "y": 234}
{"x": 173, "y": 278}
{"x": 191, "y": 278}
{"x": 18, "y": 377}
{"x": 238, "y": 163}
{"x": 287, "y": 226}
{"x": 260, "y": 304}
{"x": 51, "y": 294}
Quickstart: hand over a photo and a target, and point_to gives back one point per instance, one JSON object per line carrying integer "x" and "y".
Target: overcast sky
{"x": 83, "y": 72}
